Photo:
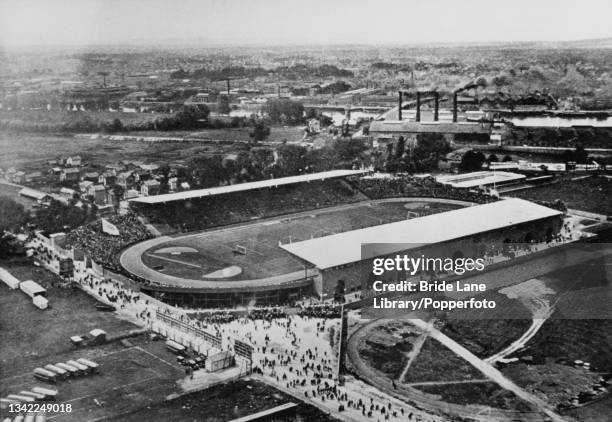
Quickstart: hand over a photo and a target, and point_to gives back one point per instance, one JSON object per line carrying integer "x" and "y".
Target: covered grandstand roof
{"x": 479, "y": 178}
{"x": 345, "y": 248}
{"x": 269, "y": 183}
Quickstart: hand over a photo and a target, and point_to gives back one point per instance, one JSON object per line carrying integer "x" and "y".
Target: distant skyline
{"x": 305, "y": 22}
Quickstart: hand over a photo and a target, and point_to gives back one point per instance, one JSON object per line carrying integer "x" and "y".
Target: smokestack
{"x": 399, "y": 107}
{"x": 436, "y": 105}
{"x": 228, "y": 87}
{"x": 455, "y": 107}
{"x": 418, "y": 107}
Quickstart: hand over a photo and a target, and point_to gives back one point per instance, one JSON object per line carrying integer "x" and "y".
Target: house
{"x": 92, "y": 176}
{"x": 115, "y": 168}
{"x": 131, "y": 193}
{"x": 172, "y": 184}
{"x": 125, "y": 179}
{"x": 107, "y": 178}
{"x": 35, "y": 194}
{"x": 106, "y": 210}
{"x": 69, "y": 175}
{"x": 98, "y": 194}
{"x": 149, "y": 167}
{"x": 33, "y": 177}
{"x": 19, "y": 177}
{"x": 67, "y": 193}
{"x": 84, "y": 185}
{"x": 73, "y": 161}
{"x": 149, "y": 187}
{"x": 314, "y": 126}
{"x": 141, "y": 176}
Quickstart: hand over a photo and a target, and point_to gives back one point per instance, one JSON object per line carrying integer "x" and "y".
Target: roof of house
{"x": 32, "y": 193}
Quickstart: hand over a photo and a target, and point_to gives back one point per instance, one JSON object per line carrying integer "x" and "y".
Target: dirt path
{"x": 423, "y": 400}
{"x": 416, "y": 349}
{"x": 488, "y": 370}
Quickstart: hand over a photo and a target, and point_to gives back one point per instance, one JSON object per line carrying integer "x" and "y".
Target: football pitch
{"x": 252, "y": 251}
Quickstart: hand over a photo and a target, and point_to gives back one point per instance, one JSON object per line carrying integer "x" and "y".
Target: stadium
{"x": 311, "y": 250}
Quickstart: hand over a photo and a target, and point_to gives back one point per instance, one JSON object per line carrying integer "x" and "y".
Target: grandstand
{"x": 243, "y": 187}
{"x": 206, "y": 208}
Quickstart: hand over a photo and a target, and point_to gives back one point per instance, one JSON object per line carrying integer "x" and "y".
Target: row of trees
{"x": 54, "y": 218}
{"x": 262, "y": 162}
{"x": 424, "y": 156}
{"x": 297, "y": 71}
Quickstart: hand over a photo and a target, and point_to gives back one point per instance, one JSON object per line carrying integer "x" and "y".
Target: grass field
{"x": 486, "y": 393}
{"x": 437, "y": 363}
{"x": 591, "y": 194}
{"x": 32, "y": 152}
{"x": 215, "y": 249}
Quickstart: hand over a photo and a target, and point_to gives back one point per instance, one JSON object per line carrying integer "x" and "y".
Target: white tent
{"x": 40, "y": 302}
{"x": 9, "y": 279}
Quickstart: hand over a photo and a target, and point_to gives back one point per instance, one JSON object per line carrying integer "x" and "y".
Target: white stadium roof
{"x": 345, "y": 248}
{"x": 268, "y": 183}
{"x": 479, "y": 178}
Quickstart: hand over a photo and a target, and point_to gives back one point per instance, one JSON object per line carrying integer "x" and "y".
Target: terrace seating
{"x": 407, "y": 186}
{"x": 102, "y": 247}
{"x": 226, "y": 209}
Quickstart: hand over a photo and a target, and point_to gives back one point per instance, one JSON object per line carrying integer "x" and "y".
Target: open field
{"x": 132, "y": 374}
{"x": 437, "y": 363}
{"x": 277, "y": 134}
{"x": 29, "y": 335}
{"x": 486, "y": 393}
{"x": 215, "y": 249}
{"x": 30, "y": 151}
{"x": 222, "y": 403}
{"x": 592, "y": 194}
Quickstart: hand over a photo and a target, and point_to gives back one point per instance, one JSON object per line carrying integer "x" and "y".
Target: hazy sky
{"x": 82, "y": 22}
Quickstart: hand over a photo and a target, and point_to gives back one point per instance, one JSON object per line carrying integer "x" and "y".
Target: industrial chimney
{"x": 418, "y": 106}
{"x": 455, "y": 107}
{"x": 399, "y": 107}
{"x": 436, "y": 105}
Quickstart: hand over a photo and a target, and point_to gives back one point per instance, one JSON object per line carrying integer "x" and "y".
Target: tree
{"x": 291, "y": 159}
{"x": 430, "y": 146}
{"x": 206, "y": 171}
{"x": 349, "y": 149}
{"x": 401, "y": 147}
{"x": 261, "y": 158}
{"x": 58, "y": 217}
{"x": 223, "y": 104}
{"x": 493, "y": 158}
{"x": 12, "y": 215}
{"x": 283, "y": 110}
{"x": 260, "y": 132}
{"x": 472, "y": 161}
{"x": 507, "y": 158}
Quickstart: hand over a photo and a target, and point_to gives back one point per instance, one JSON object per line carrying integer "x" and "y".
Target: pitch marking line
{"x": 176, "y": 261}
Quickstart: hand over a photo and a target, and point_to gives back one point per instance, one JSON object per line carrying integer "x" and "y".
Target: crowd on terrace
{"x": 238, "y": 207}
{"x": 102, "y": 247}
{"x": 409, "y": 186}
